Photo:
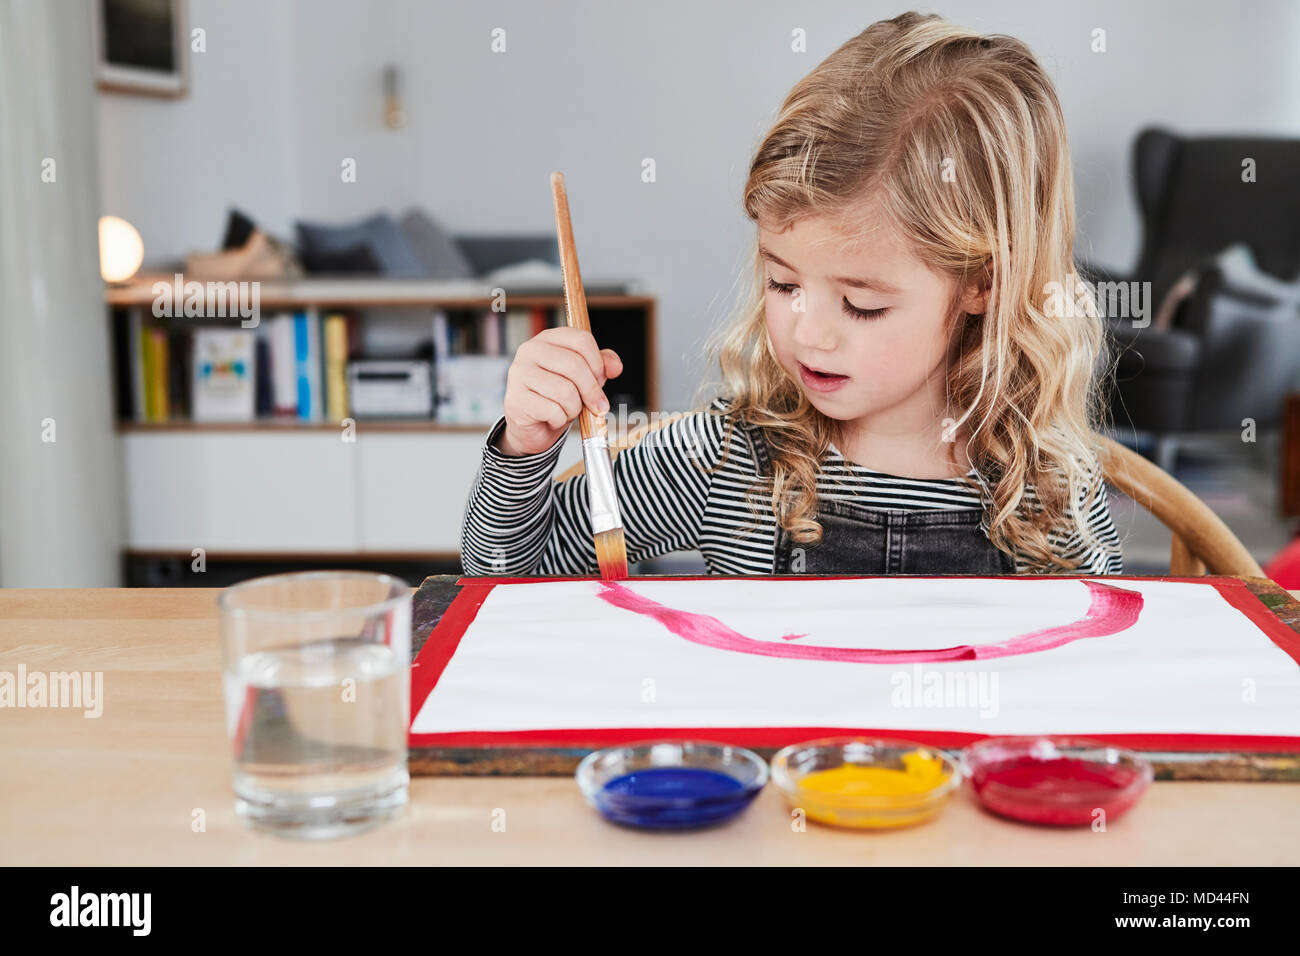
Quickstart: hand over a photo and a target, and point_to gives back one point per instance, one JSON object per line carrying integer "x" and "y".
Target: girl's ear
{"x": 976, "y": 302}
{"x": 975, "y": 297}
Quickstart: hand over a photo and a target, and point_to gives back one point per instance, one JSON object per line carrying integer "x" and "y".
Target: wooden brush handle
{"x": 575, "y": 299}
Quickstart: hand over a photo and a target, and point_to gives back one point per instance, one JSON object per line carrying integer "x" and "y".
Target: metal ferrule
{"x": 600, "y": 484}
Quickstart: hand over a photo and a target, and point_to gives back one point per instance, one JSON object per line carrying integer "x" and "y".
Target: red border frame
{"x": 446, "y": 635}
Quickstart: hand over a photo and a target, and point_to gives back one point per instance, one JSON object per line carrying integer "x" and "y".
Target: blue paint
{"x": 673, "y": 797}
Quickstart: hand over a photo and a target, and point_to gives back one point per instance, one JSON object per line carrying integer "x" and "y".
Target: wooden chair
{"x": 1202, "y": 543}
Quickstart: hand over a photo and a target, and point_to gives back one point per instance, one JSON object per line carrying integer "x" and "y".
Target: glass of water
{"x": 315, "y": 667}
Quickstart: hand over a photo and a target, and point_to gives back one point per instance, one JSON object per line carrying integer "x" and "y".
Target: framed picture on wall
{"x": 140, "y": 46}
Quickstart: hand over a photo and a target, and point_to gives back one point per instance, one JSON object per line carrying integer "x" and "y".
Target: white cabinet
{"x": 240, "y": 491}
{"x": 279, "y": 491}
{"x": 412, "y": 489}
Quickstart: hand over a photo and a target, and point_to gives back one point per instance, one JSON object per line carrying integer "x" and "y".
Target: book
{"x": 460, "y": 338}
{"x": 307, "y": 355}
{"x": 476, "y": 388}
{"x": 441, "y": 334}
{"x": 284, "y": 367}
{"x": 489, "y": 333}
{"x": 122, "y": 377}
{"x": 157, "y": 374}
{"x": 263, "y": 383}
{"x": 179, "y": 344}
{"x": 316, "y": 365}
{"x": 135, "y": 360}
{"x": 147, "y": 398}
{"x": 540, "y": 318}
{"x": 223, "y": 381}
{"x": 336, "y": 360}
{"x": 519, "y": 329}
{"x": 441, "y": 353}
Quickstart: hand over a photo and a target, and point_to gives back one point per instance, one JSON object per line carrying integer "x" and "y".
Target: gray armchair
{"x": 1231, "y": 348}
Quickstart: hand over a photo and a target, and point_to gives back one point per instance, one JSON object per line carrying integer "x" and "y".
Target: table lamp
{"x": 120, "y": 249}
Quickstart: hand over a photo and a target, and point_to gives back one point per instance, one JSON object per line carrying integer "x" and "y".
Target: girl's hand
{"x": 554, "y": 374}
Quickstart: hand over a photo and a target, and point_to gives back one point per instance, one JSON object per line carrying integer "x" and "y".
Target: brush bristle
{"x": 611, "y": 554}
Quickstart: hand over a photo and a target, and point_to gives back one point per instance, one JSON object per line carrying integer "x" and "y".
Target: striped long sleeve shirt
{"x": 672, "y": 496}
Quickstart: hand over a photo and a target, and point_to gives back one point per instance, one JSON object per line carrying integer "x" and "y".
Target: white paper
{"x": 553, "y": 655}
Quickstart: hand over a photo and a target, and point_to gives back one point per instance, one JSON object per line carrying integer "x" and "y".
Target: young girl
{"x": 913, "y": 388}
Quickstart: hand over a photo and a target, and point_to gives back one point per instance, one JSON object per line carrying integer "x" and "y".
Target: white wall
{"x": 288, "y": 88}
{"x": 60, "y": 475}
{"x": 172, "y": 167}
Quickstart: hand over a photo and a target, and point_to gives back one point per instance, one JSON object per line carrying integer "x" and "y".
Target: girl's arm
{"x": 520, "y": 521}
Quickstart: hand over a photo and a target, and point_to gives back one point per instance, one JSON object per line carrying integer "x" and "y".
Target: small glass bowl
{"x": 862, "y": 811}
{"x": 671, "y": 784}
{"x": 1057, "y": 781}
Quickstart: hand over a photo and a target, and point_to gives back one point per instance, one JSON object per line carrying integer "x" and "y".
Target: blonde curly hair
{"x": 884, "y": 116}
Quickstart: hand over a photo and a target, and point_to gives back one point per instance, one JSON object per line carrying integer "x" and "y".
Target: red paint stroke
{"x": 1112, "y": 609}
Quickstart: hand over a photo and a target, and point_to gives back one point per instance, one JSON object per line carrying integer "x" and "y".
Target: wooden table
{"x": 124, "y": 788}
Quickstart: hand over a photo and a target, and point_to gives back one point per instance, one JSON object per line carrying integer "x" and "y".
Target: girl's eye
{"x": 787, "y": 288}
{"x": 854, "y": 312}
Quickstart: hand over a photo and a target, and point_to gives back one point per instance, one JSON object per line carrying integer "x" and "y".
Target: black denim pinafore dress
{"x": 861, "y": 540}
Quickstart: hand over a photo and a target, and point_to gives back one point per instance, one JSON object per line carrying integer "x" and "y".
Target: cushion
{"x": 239, "y": 229}
{"x": 436, "y": 249}
{"x": 388, "y": 244}
{"x": 1241, "y": 274}
{"x": 353, "y": 260}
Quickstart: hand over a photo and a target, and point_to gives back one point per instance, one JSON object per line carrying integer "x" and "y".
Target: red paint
{"x": 442, "y": 642}
{"x": 1059, "y": 791}
{"x": 1112, "y": 610}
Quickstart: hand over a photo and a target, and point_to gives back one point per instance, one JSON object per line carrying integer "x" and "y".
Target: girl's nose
{"x": 814, "y": 329}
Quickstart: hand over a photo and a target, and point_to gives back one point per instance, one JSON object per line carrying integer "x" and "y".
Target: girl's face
{"x": 861, "y": 326}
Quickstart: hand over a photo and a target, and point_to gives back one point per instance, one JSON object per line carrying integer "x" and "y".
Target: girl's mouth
{"x": 820, "y": 381}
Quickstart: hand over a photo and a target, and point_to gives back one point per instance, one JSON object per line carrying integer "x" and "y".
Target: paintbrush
{"x": 611, "y": 548}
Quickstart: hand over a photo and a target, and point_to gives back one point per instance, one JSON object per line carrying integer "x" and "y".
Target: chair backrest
{"x": 1202, "y": 543}
{"x": 1195, "y": 203}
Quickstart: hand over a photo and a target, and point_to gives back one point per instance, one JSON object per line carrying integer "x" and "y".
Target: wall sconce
{"x": 120, "y": 249}
{"x": 394, "y": 113}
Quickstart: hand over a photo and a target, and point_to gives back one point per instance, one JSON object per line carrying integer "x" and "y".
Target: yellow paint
{"x": 922, "y": 773}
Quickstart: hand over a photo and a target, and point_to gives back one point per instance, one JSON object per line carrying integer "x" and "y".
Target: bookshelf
{"x": 287, "y": 492}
